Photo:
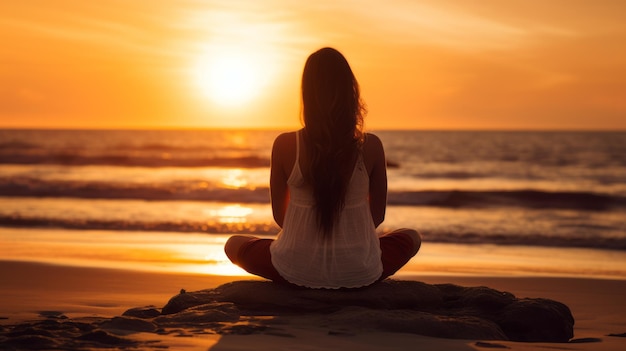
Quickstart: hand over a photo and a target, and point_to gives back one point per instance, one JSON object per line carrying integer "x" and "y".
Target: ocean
{"x": 500, "y": 188}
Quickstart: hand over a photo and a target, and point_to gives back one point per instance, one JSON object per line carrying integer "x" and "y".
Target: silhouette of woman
{"x": 328, "y": 186}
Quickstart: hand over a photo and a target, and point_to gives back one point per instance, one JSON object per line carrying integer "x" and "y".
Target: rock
{"x": 128, "y": 324}
{"x": 31, "y": 331}
{"x": 102, "y": 337}
{"x": 391, "y": 294}
{"x": 184, "y": 300}
{"x": 416, "y": 322}
{"x": 78, "y": 327}
{"x": 443, "y": 310}
{"x": 30, "y": 342}
{"x": 142, "y": 312}
{"x": 242, "y": 329}
{"x": 535, "y": 320}
{"x": 213, "y": 312}
{"x": 480, "y": 298}
{"x": 52, "y": 314}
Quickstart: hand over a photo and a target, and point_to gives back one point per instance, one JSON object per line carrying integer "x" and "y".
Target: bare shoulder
{"x": 284, "y": 152}
{"x": 373, "y": 152}
{"x": 285, "y": 137}
{"x": 372, "y": 144}
{"x": 285, "y": 141}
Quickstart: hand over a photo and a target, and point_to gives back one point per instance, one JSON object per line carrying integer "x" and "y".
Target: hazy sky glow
{"x": 431, "y": 64}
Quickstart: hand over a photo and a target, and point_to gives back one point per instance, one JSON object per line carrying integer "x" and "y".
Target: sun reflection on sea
{"x": 233, "y": 179}
{"x": 231, "y": 214}
{"x": 237, "y": 138}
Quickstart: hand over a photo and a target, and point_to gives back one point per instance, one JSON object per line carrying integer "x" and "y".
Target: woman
{"x": 328, "y": 186}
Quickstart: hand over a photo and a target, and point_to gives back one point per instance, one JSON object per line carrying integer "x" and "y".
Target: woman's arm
{"x": 374, "y": 156}
{"x": 279, "y": 192}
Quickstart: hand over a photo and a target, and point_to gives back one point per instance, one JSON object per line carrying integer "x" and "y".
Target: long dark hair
{"x": 333, "y": 113}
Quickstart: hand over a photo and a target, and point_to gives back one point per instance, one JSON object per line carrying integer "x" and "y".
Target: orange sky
{"x": 432, "y": 64}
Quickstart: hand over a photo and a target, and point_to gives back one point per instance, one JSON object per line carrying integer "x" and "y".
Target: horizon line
{"x": 183, "y": 128}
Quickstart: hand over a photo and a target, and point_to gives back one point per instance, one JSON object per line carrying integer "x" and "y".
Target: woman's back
{"x": 328, "y": 186}
{"x": 350, "y": 255}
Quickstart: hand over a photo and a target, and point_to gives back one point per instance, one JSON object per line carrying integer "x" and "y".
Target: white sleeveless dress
{"x": 350, "y": 258}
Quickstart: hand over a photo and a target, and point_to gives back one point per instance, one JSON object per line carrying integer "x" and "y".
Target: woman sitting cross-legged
{"x": 328, "y": 186}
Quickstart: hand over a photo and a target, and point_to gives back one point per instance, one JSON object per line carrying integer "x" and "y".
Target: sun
{"x": 229, "y": 77}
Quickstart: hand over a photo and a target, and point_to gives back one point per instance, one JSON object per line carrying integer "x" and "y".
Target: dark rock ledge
{"x": 246, "y": 307}
{"x": 441, "y": 310}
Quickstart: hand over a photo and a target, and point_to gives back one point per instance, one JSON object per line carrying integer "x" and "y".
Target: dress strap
{"x": 297, "y": 146}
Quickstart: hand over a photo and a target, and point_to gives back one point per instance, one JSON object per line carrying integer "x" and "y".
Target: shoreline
{"x": 203, "y": 253}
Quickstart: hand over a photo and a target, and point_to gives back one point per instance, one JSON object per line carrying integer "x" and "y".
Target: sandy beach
{"x": 28, "y": 289}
